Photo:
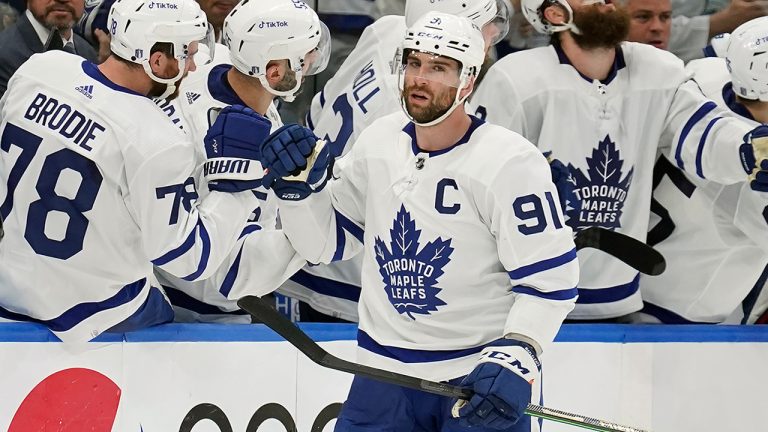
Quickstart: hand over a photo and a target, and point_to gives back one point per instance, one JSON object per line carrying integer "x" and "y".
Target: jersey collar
{"x": 93, "y": 71}
{"x": 618, "y": 64}
{"x": 410, "y": 129}
{"x": 220, "y": 88}
{"x": 729, "y": 97}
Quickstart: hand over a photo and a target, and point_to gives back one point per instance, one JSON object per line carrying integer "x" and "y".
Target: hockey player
{"x": 602, "y": 106}
{"x": 98, "y": 185}
{"x": 467, "y": 260}
{"x": 272, "y": 45}
{"x": 362, "y": 90}
{"x": 713, "y": 237}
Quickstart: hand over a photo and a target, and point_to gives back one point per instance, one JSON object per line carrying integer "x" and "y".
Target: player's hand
{"x": 754, "y": 157}
{"x": 560, "y": 177}
{"x": 502, "y": 381}
{"x": 297, "y": 162}
{"x": 232, "y": 146}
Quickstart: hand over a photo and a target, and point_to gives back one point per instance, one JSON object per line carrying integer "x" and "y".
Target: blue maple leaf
{"x": 410, "y": 276}
{"x": 585, "y": 208}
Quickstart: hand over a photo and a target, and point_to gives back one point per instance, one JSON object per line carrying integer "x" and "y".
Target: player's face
{"x": 601, "y": 25}
{"x": 60, "y": 14}
{"x": 430, "y": 85}
{"x": 650, "y": 22}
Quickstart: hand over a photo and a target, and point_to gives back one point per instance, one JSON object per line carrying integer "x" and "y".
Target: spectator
{"x": 45, "y": 24}
{"x": 8, "y": 16}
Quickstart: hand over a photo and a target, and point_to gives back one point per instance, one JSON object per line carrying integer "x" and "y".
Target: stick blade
{"x": 628, "y": 250}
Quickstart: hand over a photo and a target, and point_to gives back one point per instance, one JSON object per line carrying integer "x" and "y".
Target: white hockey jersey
{"x": 361, "y": 91}
{"x": 97, "y": 187}
{"x": 607, "y": 133}
{"x": 710, "y": 234}
{"x": 263, "y": 258}
{"x": 461, "y": 246}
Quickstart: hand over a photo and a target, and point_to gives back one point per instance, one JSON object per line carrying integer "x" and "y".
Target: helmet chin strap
{"x": 170, "y": 83}
{"x": 457, "y": 102}
{"x": 289, "y": 95}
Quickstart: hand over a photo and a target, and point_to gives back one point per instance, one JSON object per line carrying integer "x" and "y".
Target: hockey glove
{"x": 754, "y": 157}
{"x": 232, "y": 146}
{"x": 297, "y": 162}
{"x": 502, "y": 381}
{"x": 560, "y": 177}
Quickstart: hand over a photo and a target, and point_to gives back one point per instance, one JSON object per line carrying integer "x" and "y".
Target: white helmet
{"x": 533, "y": 10}
{"x": 443, "y": 35}
{"x": 260, "y": 31}
{"x": 495, "y": 13}
{"x": 747, "y": 58}
{"x": 137, "y": 25}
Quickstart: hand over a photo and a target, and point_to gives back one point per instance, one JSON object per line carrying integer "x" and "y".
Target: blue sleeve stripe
{"x": 206, "y": 240}
{"x": 327, "y": 287}
{"x": 308, "y": 119}
{"x": 322, "y": 98}
{"x": 76, "y": 314}
{"x": 231, "y": 277}
{"x": 698, "y": 115}
{"x": 350, "y": 226}
{"x": 610, "y": 294}
{"x": 249, "y": 229}
{"x": 666, "y": 316}
{"x": 544, "y": 265}
{"x": 341, "y": 239}
{"x": 700, "y": 150}
{"x": 179, "y": 251}
{"x": 566, "y": 294}
{"x": 406, "y": 355}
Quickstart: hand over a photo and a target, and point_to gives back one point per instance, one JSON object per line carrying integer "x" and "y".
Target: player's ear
{"x": 469, "y": 88}
{"x": 158, "y": 62}
{"x": 275, "y": 72}
{"x": 556, "y": 14}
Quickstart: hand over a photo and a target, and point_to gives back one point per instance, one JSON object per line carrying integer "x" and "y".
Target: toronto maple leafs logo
{"x": 598, "y": 198}
{"x": 410, "y": 275}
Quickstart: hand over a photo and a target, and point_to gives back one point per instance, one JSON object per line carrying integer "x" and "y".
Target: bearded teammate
{"x": 713, "y": 237}
{"x": 601, "y": 106}
{"x": 467, "y": 260}
{"x": 98, "y": 185}
{"x": 363, "y": 89}
{"x": 272, "y": 45}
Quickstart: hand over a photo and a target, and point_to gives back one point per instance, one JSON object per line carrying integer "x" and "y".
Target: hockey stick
{"x": 626, "y": 249}
{"x": 264, "y": 313}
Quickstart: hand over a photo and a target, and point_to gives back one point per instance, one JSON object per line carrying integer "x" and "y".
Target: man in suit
{"x": 45, "y": 25}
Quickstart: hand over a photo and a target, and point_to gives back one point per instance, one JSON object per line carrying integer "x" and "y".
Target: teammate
{"x": 272, "y": 45}
{"x": 602, "y": 106}
{"x": 98, "y": 185}
{"x": 467, "y": 260}
{"x": 362, "y": 90}
{"x": 714, "y": 237}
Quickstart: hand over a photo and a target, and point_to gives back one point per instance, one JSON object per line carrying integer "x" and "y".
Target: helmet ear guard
{"x": 260, "y": 31}
{"x": 746, "y": 55}
{"x": 442, "y": 35}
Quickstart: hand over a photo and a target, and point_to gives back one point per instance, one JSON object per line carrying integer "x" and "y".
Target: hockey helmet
{"x": 135, "y": 26}
{"x": 747, "y": 58}
{"x": 260, "y": 31}
{"x": 492, "y": 16}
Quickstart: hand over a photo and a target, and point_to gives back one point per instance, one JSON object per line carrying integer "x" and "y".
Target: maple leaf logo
{"x": 598, "y": 198}
{"x": 410, "y": 275}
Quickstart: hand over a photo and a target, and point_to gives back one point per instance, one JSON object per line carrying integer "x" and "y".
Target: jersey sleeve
{"x": 704, "y": 138}
{"x": 535, "y": 246}
{"x": 186, "y": 236}
{"x": 328, "y": 225}
{"x": 751, "y": 215}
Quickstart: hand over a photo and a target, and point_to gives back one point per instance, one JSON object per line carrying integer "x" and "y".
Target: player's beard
{"x": 600, "y": 29}
{"x": 438, "y": 106}
{"x": 287, "y": 83}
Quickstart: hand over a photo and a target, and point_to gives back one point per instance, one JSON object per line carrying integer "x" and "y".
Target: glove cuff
{"x": 227, "y": 168}
{"x": 517, "y": 356}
